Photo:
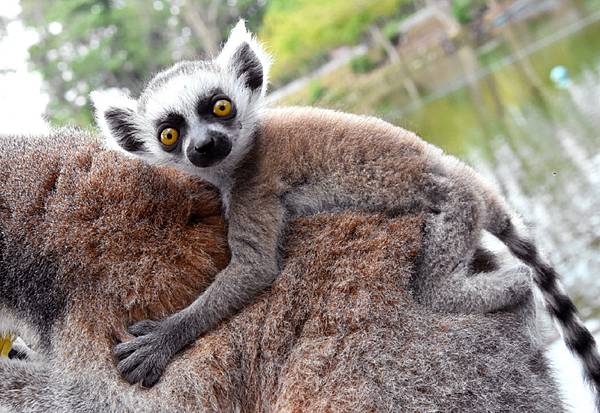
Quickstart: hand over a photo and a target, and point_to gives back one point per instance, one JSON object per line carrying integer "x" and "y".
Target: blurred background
{"x": 511, "y": 86}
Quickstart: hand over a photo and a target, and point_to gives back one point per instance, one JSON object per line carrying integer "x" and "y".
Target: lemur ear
{"x": 116, "y": 115}
{"x": 244, "y": 54}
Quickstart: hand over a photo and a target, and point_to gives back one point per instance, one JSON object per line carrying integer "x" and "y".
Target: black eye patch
{"x": 173, "y": 120}
{"x": 206, "y": 104}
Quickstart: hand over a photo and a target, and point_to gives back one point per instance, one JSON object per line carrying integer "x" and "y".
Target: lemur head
{"x": 199, "y": 116}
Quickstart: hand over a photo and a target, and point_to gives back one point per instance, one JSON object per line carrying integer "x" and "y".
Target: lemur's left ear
{"x": 245, "y": 55}
{"x": 116, "y": 115}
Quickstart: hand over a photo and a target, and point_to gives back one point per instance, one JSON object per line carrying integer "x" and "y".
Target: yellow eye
{"x": 222, "y": 108}
{"x": 169, "y": 136}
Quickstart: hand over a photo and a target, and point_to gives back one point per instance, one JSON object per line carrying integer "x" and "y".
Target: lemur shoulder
{"x": 209, "y": 118}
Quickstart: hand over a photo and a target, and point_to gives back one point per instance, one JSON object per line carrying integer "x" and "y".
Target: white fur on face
{"x": 180, "y": 93}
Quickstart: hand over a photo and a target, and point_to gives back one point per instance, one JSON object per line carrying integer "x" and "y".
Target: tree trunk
{"x": 204, "y": 25}
{"x": 394, "y": 57}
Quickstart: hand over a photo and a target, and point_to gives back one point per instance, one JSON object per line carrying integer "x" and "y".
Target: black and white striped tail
{"x": 577, "y": 337}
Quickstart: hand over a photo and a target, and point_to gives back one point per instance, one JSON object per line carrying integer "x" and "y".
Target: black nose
{"x": 206, "y": 147}
{"x": 209, "y": 151}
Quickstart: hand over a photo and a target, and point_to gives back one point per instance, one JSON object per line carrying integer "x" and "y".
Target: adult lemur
{"x": 208, "y": 119}
{"x": 90, "y": 241}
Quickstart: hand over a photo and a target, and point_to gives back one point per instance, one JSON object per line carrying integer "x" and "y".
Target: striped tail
{"x": 577, "y": 337}
{"x": 499, "y": 222}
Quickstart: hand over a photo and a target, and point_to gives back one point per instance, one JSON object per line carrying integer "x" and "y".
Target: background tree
{"x": 209, "y": 19}
{"x": 90, "y": 44}
{"x": 300, "y": 33}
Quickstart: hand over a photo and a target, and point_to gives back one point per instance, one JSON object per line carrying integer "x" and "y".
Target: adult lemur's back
{"x": 126, "y": 241}
{"x": 207, "y": 118}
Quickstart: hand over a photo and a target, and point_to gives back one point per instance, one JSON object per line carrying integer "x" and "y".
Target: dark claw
{"x": 124, "y": 350}
{"x": 148, "y": 370}
{"x": 129, "y": 365}
{"x": 151, "y": 378}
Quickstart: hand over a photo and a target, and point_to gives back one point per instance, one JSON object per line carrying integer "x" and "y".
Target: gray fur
{"x": 457, "y": 205}
{"x": 483, "y": 363}
{"x": 181, "y": 68}
{"x": 339, "y": 330}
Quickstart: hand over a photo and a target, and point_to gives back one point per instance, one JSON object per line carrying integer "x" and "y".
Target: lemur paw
{"x": 507, "y": 289}
{"x": 519, "y": 283}
{"x": 144, "y": 358}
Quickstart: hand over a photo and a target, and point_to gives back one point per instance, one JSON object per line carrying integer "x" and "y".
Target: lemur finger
{"x": 152, "y": 377}
{"x": 130, "y": 367}
{"x": 147, "y": 372}
{"x": 134, "y": 374}
{"x": 144, "y": 327}
{"x": 122, "y": 354}
{"x": 124, "y": 350}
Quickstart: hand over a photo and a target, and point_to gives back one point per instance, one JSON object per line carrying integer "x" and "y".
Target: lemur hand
{"x": 144, "y": 358}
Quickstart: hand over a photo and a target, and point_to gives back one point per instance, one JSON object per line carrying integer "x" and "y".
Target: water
{"x": 538, "y": 140}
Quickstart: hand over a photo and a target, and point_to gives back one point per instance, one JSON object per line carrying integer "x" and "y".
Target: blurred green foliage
{"x": 98, "y": 44}
{"x": 316, "y": 91}
{"x": 91, "y": 44}
{"x": 391, "y": 30}
{"x": 463, "y": 9}
{"x": 362, "y": 64}
{"x": 300, "y": 32}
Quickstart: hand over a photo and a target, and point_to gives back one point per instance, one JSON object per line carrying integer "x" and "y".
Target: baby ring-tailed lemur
{"x": 208, "y": 118}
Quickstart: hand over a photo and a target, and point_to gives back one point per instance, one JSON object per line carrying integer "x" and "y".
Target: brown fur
{"x": 292, "y": 140}
{"x": 338, "y": 330}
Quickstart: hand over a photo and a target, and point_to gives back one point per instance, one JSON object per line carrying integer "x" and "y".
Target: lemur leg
{"x": 443, "y": 280}
{"x": 481, "y": 293}
{"x": 254, "y": 236}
